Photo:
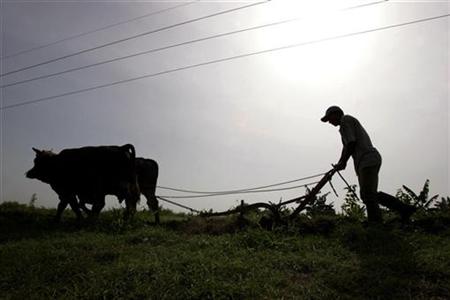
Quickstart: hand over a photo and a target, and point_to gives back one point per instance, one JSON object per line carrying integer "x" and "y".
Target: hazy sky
{"x": 236, "y": 124}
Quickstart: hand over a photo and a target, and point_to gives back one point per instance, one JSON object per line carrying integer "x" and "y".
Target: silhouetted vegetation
{"x": 352, "y": 206}
{"x": 319, "y": 206}
{"x": 444, "y": 204}
{"x": 318, "y": 256}
{"x": 422, "y": 201}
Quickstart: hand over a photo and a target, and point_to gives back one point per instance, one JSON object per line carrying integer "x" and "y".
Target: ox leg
{"x": 85, "y": 209}
{"x": 153, "y": 205}
{"x": 64, "y": 201}
{"x": 130, "y": 208}
{"x": 82, "y": 205}
{"x": 74, "y": 205}
{"x": 130, "y": 203}
{"x": 132, "y": 198}
{"x": 61, "y": 207}
{"x": 98, "y": 205}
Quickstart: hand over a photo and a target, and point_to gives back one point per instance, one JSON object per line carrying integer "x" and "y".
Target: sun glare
{"x": 314, "y": 21}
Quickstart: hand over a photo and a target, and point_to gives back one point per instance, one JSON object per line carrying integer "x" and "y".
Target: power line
{"x": 136, "y": 36}
{"x": 176, "y": 45}
{"x": 240, "y": 190}
{"x": 223, "y": 60}
{"x": 98, "y": 29}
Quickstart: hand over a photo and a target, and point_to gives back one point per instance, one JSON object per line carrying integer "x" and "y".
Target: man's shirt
{"x": 365, "y": 154}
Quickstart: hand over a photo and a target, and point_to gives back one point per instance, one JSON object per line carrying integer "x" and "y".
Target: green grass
{"x": 190, "y": 257}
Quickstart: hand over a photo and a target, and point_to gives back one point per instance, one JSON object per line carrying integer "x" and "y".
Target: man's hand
{"x": 347, "y": 151}
{"x": 340, "y": 166}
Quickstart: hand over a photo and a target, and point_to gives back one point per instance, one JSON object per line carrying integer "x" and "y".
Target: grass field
{"x": 191, "y": 257}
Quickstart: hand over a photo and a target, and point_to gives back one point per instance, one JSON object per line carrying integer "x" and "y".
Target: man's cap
{"x": 331, "y": 110}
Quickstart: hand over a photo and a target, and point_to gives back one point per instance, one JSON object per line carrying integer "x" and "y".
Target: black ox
{"x": 90, "y": 173}
{"x": 147, "y": 176}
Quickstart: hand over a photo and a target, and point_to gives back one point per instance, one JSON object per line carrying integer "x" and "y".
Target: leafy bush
{"x": 421, "y": 201}
{"x": 319, "y": 206}
{"x": 352, "y": 206}
{"x": 443, "y": 205}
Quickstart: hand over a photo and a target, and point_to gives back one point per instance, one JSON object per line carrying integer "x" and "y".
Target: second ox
{"x": 147, "y": 176}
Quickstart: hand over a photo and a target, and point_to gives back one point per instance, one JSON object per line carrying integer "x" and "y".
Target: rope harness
{"x": 305, "y": 199}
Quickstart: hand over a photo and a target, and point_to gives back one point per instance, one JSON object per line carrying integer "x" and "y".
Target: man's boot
{"x": 373, "y": 213}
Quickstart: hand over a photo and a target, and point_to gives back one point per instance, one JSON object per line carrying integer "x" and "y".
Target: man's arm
{"x": 347, "y": 151}
{"x": 348, "y": 135}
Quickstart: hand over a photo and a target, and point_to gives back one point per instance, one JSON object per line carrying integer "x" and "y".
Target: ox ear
{"x": 37, "y": 151}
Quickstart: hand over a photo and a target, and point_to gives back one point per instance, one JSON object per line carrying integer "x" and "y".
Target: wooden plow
{"x": 275, "y": 208}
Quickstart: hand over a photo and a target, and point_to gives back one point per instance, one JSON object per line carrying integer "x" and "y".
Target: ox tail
{"x": 130, "y": 149}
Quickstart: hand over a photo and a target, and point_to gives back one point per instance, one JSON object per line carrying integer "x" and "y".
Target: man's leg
{"x": 405, "y": 210}
{"x": 368, "y": 185}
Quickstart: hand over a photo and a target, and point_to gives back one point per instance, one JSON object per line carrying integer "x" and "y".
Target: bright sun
{"x": 316, "y": 20}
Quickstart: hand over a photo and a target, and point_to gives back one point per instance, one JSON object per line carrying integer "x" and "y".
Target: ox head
{"x": 43, "y": 163}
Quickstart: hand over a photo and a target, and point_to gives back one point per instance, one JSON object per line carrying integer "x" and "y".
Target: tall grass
{"x": 189, "y": 257}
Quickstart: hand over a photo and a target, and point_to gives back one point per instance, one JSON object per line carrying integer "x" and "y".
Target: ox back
{"x": 100, "y": 170}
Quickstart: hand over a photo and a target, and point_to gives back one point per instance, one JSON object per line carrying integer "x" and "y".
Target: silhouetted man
{"x": 367, "y": 161}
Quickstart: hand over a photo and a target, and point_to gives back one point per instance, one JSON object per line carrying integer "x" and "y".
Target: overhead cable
{"x": 135, "y": 36}
{"x": 97, "y": 30}
{"x": 176, "y": 45}
{"x": 222, "y": 60}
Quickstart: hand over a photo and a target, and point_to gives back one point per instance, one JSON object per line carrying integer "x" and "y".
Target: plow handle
{"x": 327, "y": 177}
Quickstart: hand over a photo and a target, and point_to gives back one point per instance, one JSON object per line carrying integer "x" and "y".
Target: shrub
{"x": 320, "y": 207}
{"x": 443, "y": 205}
{"x": 421, "y": 201}
{"x": 352, "y": 206}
